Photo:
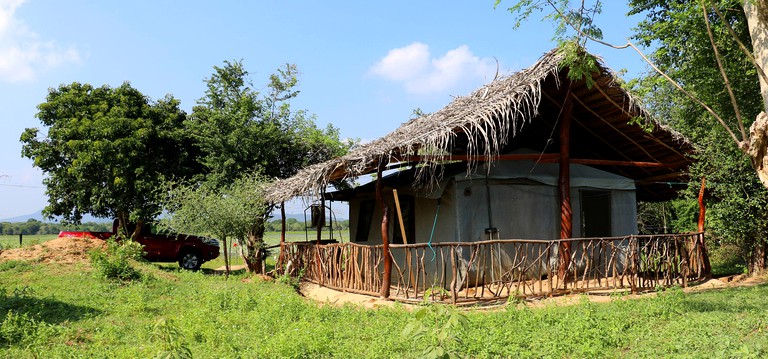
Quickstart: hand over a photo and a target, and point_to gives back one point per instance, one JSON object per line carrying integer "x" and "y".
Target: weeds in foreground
{"x": 114, "y": 263}
{"x": 440, "y": 326}
{"x": 171, "y": 341}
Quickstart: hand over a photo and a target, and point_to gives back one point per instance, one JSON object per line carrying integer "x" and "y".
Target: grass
{"x": 271, "y": 239}
{"x": 55, "y": 311}
{"x": 28, "y": 240}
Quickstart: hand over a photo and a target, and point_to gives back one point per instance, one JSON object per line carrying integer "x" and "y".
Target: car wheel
{"x": 190, "y": 260}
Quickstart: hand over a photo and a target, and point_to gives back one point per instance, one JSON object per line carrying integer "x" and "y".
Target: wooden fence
{"x": 497, "y": 269}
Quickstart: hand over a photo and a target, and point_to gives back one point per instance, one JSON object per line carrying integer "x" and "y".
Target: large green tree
{"x": 738, "y": 201}
{"x": 105, "y": 151}
{"x": 576, "y": 25}
{"x": 708, "y": 59}
{"x": 241, "y": 130}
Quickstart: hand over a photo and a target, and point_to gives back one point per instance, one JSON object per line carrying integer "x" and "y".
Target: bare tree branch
{"x": 728, "y": 87}
{"x": 743, "y": 48}
{"x": 740, "y": 143}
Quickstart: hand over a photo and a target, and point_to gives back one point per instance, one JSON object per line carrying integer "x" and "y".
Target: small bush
{"x": 727, "y": 259}
{"x": 171, "y": 341}
{"x": 291, "y": 281}
{"x": 114, "y": 263}
{"x": 440, "y": 327}
{"x": 17, "y": 328}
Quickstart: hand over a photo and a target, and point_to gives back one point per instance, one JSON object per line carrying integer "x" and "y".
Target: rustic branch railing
{"x": 497, "y": 269}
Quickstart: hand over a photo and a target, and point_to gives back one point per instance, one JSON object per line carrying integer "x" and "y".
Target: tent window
{"x": 595, "y": 214}
{"x": 409, "y": 218}
{"x": 364, "y": 219}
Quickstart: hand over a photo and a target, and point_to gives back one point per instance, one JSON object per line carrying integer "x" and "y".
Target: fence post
{"x": 454, "y": 293}
{"x": 633, "y": 258}
{"x": 20, "y": 239}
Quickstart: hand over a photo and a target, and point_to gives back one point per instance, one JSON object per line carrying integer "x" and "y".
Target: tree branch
{"x": 728, "y": 86}
{"x": 739, "y": 143}
{"x": 741, "y": 45}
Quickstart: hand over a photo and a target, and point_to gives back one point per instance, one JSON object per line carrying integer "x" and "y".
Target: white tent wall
{"x": 524, "y": 204}
{"x": 515, "y": 211}
{"x": 427, "y": 215}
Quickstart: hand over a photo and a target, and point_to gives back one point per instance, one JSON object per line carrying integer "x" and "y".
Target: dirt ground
{"x": 327, "y": 296}
{"x": 75, "y": 250}
{"x": 59, "y": 250}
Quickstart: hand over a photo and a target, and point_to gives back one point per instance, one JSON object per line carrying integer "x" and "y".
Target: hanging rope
{"x": 434, "y": 224}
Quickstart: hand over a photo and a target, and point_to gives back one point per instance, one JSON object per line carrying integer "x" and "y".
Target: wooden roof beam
{"x": 630, "y": 115}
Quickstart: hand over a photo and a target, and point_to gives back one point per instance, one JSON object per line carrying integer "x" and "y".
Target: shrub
{"x": 171, "y": 341}
{"x": 17, "y": 328}
{"x": 727, "y": 259}
{"x": 440, "y": 327}
{"x": 115, "y": 263}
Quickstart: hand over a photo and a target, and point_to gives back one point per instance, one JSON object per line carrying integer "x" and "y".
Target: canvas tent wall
{"x": 517, "y": 198}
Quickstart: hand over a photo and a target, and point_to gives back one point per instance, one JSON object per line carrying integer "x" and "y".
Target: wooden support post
{"x": 564, "y": 186}
{"x": 387, "y": 276}
{"x": 321, "y": 219}
{"x": 403, "y": 234}
{"x": 700, "y": 237}
{"x": 282, "y": 235}
{"x": 282, "y": 228}
{"x": 702, "y": 209}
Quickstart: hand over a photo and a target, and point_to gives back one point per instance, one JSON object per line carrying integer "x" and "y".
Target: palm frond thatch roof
{"x": 519, "y": 110}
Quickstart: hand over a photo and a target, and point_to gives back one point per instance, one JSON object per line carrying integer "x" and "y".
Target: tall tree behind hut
{"x": 243, "y": 131}
{"x": 712, "y": 56}
{"x": 737, "y": 201}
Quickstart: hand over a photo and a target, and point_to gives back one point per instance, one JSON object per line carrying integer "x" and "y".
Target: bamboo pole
{"x": 399, "y": 216}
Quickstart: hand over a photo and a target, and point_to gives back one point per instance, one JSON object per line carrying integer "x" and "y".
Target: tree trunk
{"x": 756, "y": 12}
{"x": 255, "y": 251}
{"x": 122, "y": 223}
{"x": 757, "y": 262}
{"x": 226, "y": 257}
{"x": 137, "y": 230}
{"x": 757, "y": 21}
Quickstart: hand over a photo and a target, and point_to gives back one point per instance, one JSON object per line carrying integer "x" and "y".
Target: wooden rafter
{"x": 630, "y": 115}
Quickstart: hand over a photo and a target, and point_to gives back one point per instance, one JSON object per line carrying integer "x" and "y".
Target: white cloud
{"x": 414, "y": 67}
{"x": 22, "y": 54}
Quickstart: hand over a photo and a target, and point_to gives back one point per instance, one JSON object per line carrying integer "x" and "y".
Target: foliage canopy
{"x": 107, "y": 150}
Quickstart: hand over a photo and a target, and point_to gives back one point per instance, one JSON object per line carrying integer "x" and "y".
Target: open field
{"x": 52, "y": 310}
{"x": 12, "y": 241}
{"x": 271, "y": 238}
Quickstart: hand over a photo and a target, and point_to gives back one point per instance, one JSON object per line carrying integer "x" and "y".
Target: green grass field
{"x": 12, "y": 241}
{"x": 65, "y": 311}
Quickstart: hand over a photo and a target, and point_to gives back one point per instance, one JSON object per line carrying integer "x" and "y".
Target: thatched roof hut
{"x": 609, "y": 131}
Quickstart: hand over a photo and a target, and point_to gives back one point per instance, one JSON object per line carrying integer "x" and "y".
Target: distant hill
{"x": 298, "y": 216}
{"x": 88, "y": 218}
{"x": 39, "y": 217}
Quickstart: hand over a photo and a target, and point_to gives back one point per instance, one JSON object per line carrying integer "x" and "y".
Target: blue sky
{"x": 365, "y": 66}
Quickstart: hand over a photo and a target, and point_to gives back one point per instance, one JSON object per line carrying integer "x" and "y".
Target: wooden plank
{"x": 399, "y": 215}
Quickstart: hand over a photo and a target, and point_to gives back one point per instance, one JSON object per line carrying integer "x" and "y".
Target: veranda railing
{"x": 497, "y": 269}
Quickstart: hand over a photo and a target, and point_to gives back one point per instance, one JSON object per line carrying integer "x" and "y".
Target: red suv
{"x": 188, "y": 250}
